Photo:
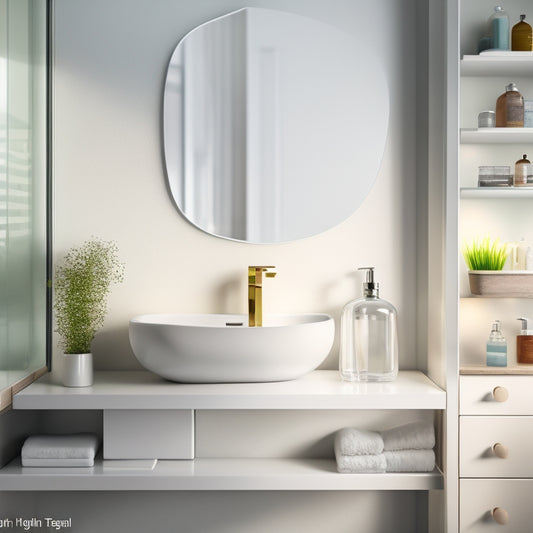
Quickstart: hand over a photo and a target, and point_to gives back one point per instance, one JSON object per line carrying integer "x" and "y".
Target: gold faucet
{"x": 255, "y": 293}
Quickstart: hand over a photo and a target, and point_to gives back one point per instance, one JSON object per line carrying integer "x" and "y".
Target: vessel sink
{"x": 218, "y": 348}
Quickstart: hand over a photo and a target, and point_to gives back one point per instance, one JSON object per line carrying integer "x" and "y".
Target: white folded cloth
{"x": 409, "y": 460}
{"x": 361, "y": 464}
{"x": 352, "y": 441}
{"x": 418, "y": 435}
{"x": 60, "y": 450}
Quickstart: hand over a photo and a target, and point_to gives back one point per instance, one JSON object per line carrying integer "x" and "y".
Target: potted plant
{"x": 485, "y": 259}
{"x": 82, "y": 283}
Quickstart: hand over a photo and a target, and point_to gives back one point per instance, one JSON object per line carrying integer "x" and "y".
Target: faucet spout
{"x": 255, "y": 293}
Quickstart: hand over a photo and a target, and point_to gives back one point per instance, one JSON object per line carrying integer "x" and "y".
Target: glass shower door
{"x": 23, "y": 187}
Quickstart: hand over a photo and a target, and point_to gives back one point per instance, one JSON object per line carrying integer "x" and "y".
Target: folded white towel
{"x": 361, "y": 464}
{"x": 414, "y": 436}
{"x": 352, "y": 441}
{"x": 60, "y": 450}
{"x": 410, "y": 460}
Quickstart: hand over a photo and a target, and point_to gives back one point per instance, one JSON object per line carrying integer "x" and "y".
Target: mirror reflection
{"x": 274, "y": 125}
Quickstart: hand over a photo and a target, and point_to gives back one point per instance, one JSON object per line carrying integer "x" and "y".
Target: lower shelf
{"x": 212, "y": 474}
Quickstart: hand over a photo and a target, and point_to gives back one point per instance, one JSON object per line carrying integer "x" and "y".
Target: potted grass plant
{"x": 485, "y": 259}
{"x": 82, "y": 284}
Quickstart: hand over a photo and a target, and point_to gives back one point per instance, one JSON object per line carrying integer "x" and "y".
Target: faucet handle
{"x": 255, "y": 270}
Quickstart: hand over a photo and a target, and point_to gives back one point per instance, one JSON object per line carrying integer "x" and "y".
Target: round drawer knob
{"x": 500, "y": 515}
{"x": 500, "y": 450}
{"x": 501, "y": 394}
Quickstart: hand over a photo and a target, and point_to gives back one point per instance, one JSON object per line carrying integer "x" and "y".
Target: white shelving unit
{"x": 134, "y": 390}
{"x": 321, "y": 389}
{"x": 213, "y": 474}
{"x": 497, "y": 136}
{"x": 501, "y": 64}
{"x": 495, "y": 193}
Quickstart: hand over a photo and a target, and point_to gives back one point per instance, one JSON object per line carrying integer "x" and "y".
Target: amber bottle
{"x": 522, "y": 36}
{"x": 510, "y": 108}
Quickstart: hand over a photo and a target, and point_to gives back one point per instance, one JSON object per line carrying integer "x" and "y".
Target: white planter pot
{"x": 77, "y": 369}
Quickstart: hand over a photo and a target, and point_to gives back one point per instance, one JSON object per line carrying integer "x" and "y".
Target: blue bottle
{"x": 499, "y": 27}
{"x": 496, "y": 347}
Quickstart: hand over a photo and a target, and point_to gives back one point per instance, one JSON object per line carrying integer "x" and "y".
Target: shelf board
{"x": 213, "y": 474}
{"x": 496, "y": 136}
{"x": 321, "y": 389}
{"x": 483, "y": 370}
{"x": 501, "y": 64}
{"x": 497, "y": 192}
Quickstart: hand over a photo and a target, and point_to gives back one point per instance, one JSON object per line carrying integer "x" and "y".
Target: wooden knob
{"x": 500, "y": 450}
{"x": 500, "y": 515}
{"x": 501, "y": 394}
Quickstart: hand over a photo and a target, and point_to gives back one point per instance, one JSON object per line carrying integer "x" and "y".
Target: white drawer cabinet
{"x": 496, "y": 446}
{"x": 496, "y": 453}
{"x": 496, "y": 395}
{"x": 511, "y": 497}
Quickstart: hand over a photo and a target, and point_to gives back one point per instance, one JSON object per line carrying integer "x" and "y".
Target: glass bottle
{"x": 499, "y": 28}
{"x": 510, "y": 108}
{"x": 521, "y": 171}
{"x": 369, "y": 337}
{"x": 496, "y": 346}
{"x": 522, "y": 36}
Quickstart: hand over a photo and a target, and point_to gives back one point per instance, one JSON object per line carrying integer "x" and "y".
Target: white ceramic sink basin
{"x": 222, "y": 348}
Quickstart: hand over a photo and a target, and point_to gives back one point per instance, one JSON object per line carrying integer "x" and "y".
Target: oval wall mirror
{"x": 274, "y": 125}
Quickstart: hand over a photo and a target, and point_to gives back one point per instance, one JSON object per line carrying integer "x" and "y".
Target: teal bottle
{"x": 496, "y": 346}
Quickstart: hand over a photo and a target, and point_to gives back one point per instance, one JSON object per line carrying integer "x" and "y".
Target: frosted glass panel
{"x": 22, "y": 188}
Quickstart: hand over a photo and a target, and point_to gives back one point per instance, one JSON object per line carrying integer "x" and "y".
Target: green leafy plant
{"x": 485, "y": 254}
{"x": 82, "y": 284}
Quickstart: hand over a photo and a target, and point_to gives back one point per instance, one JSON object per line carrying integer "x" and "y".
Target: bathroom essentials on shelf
{"x": 522, "y": 36}
{"x": 524, "y": 343}
{"x": 522, "y": 169}
{"x": 353, "y": 441}
{"x": 418, "y": 435}
{"x": 516, "y": 259}
{"x": 486, "y": 119}
{"x": 499, "y": 29}
{"x": 528, "y": 113}
{"x": 496, "y": 346}
{"x": 409, "y": 461}
{"x": 405, "y": 448}
{"x": 510, "y": 108}
{"x": 494, "y": 176}
{"x": 60, "y": 450}
{"x": 369, "y": 338}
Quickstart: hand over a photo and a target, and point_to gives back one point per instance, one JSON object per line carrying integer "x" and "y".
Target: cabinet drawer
{"x": 494, "y": 446}
{"x": 496, "y": 395}
{"x": 479, "y": 497}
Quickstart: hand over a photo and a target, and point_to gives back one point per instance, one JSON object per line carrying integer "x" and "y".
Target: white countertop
{"x": 321, "y": 389}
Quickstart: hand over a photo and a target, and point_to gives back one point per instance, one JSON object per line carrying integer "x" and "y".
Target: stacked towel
{"x": 409, "y": 447}
{"x": 360, "y": 451}
{"x": 406, "y": 448}
{"x": 60, "y": 450}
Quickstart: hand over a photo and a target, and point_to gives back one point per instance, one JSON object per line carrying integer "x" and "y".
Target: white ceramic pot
{"x": 77, "y": 369}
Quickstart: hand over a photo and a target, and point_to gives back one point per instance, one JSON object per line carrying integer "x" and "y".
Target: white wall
{"x": 109, "y": 181}
{"x": 109, "y": 178}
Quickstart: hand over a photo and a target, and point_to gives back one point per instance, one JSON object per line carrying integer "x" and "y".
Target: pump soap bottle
{"x": 524, "y": 343}
{"x": 369, "y": 336}
{"x": 496, "y": 346}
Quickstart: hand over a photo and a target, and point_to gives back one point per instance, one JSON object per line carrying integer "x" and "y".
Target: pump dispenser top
{"x": 370, "y": 288}
{"x": 369, "y": 338}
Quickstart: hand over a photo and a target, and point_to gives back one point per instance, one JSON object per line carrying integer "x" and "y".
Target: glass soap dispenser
{"x": 496, "y": 346}
{"x": 369, "y": 336}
